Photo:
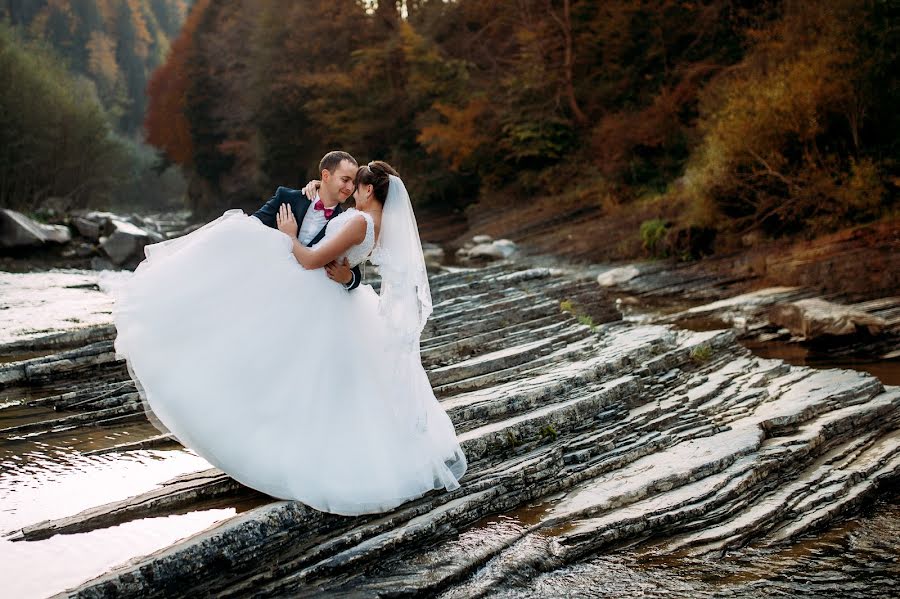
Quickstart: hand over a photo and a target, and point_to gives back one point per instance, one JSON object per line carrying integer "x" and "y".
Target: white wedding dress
{"x": 279, "y": 376}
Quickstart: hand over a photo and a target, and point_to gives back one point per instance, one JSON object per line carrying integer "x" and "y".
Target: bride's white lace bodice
{"x": 359, "y": 252}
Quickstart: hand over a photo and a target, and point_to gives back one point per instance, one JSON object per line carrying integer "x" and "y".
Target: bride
{"x": 244, "y": 349}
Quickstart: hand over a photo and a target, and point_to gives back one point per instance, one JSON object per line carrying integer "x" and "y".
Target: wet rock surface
{"x": 853, "y": 326}
{"x": 586, "y": 434}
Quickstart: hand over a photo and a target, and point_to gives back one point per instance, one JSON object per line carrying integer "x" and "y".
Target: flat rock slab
{"x": 813, "y": 318}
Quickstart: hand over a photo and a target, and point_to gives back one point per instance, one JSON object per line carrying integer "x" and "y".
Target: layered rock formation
{"x": 836, "y": 324}
{"x": 608, "y": 433}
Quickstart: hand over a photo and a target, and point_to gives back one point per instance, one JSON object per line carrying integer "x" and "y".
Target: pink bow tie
{"x": 320, "y": 206}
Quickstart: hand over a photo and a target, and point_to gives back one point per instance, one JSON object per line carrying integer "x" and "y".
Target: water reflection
{"x": 42, "y": 568}
{"x": 858, "y": 558}
{"x": 49, "y": 482}
{"x": 48, "y": 475}
{"x": 887, "y": 371}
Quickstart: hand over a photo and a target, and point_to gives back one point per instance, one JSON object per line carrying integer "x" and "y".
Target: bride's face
{"x": 363, "y": 196}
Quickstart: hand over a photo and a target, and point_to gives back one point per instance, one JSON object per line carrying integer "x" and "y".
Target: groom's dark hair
{"x": 331, "y": 160}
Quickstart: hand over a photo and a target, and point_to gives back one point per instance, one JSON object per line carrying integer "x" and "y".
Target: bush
{"x": 798, "y": 139}
{"x": 653, "y": 232}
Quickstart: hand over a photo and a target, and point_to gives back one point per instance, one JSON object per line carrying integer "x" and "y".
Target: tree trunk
{"x": 565, "y": 25}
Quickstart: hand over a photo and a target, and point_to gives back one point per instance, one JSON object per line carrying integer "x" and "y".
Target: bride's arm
{"x": 350, "y": 234}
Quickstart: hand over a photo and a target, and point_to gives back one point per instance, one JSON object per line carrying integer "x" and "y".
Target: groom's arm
{"x": 339, "y": 272}
{"x": 357, "y": 279}
{"x": 269, "y": 210}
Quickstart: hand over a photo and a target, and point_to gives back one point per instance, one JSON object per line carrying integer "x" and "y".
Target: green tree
{"x": 54, "y": 137}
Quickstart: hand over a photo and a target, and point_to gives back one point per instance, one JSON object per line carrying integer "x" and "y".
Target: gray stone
{"x": 55, "y": 205}
{"x": 57, "y": 233}
{"x": 616, "y": 276}
{"x": 494, "y": 250}
{"x": 506, "y": 246}
{"x": 482, "y": 239}
{"x": 485, "y": 250}
{"x": 17, "y": 230}
{"x": 87, "y": 228}
{"x": 434, "y": 254}
{"x": 96, "y": 223}
{"x": 125, "y": 243}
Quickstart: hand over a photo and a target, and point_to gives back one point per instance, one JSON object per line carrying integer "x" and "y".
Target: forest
{"x": 714, "y": 118}
{"x": 73, "y": 101}
{"x": 778, "y": 116}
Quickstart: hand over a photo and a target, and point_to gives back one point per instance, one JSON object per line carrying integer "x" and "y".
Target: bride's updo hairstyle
{"x": 377, "y": 174}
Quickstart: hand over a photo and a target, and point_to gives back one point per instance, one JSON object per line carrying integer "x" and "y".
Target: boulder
{"x": 495, "y": 250}
{"x": 17, "y": 230}
{"x": 485, "y": 251}
{"x": 813, "y": 318}
{"x": 616, "y": 276}
{"x": 506, "y": 246}
{"x": 56, "y": 233}
{"x": 94, "y": 224}
{"x": 88, "y": 229}
{"x": 482, "y": 239}
{"x": 125, "y": 242}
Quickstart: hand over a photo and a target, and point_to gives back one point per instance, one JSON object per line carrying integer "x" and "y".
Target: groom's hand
{"x": 339, "y": 271}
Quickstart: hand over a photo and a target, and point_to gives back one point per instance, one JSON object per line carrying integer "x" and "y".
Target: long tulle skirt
{"x": 278, "y": 375}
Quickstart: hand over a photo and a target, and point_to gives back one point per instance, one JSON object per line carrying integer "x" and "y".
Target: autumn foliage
{"x": 729, "y": 115}
{"x": 166, "y": 121}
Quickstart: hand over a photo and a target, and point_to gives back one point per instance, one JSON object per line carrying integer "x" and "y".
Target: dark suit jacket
{"x": 299, "y": 204}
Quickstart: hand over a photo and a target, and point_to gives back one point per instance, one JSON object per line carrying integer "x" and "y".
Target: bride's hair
{"x": 377, "y": 174}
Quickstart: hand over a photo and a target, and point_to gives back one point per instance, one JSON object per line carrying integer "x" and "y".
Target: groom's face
{"x": 338, "y": 184}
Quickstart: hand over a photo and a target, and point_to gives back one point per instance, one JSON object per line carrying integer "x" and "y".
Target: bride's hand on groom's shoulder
{"x": 312, "y": 188}
{"x": 286, "y": 222}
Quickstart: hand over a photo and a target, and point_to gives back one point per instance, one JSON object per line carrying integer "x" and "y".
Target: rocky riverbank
{"x": 86, "y": 239}
{"x": 586, "y": 433}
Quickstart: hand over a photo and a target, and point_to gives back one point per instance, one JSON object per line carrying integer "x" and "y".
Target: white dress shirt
{"x": 313, "y": 221}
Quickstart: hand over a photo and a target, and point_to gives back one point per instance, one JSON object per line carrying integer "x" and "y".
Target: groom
{"x": 338, "y": 172}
